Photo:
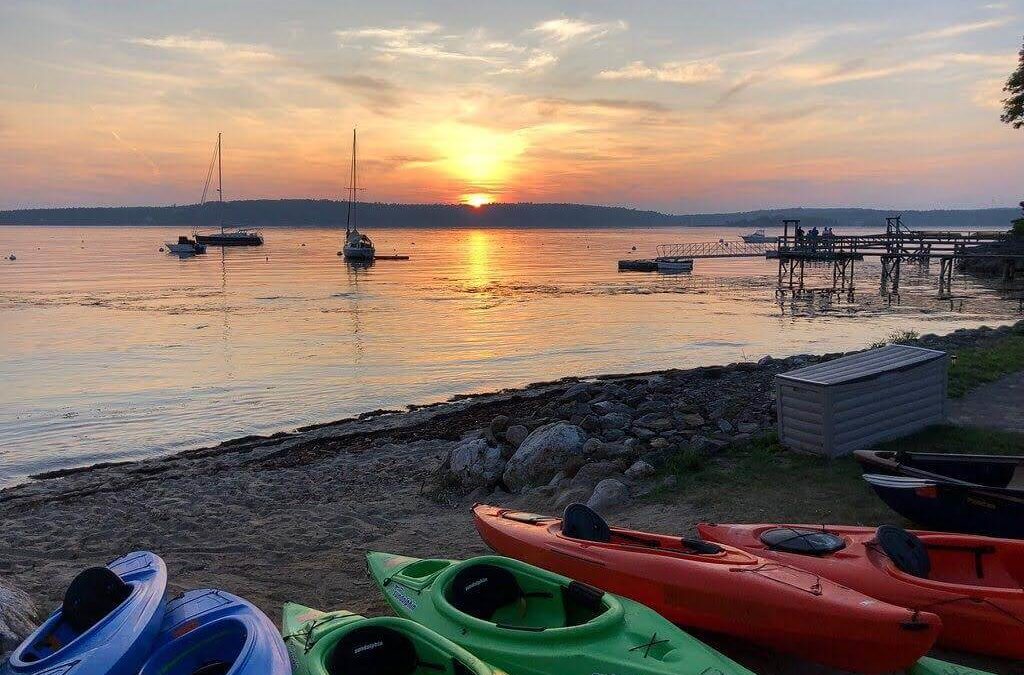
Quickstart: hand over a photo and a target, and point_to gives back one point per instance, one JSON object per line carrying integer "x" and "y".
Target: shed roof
{"x": 863, "y": 366}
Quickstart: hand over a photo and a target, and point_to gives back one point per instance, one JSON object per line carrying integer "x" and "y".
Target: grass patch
{"x": 979, "y": 365}
{"x": 762, "y": 482}
{"x": 960, "y": 440}
{"x": 899, "y": 337}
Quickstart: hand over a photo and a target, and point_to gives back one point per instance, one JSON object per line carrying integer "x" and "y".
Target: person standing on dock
{"x": 799, "y": 236}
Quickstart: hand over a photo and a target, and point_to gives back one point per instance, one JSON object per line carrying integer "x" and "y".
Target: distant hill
{"x": 320, "y": 212}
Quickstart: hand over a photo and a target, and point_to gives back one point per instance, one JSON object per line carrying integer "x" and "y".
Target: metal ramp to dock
{"x": 723, "y": 248}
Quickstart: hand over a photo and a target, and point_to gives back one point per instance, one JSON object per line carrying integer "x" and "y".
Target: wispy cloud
{"x": 693, "y": 72}
{"x": 237, "y": 52}
{"x": 382, "y": 94}
{"x": 537, "y": 61}
{"x": 420, "y": 41}
{"x": 959, "y": 29}
{"x": 577, "y": 30}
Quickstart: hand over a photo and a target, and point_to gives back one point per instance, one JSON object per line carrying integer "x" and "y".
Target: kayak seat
{"x": 581, "y": 522}
{"x": 906, "y": 551}
{"x": 701, "y": 547}
{"x": 92, "y": 595}
{"x": 582, "y": 603}
{"x": 802, "y": 541}
{"x": 480, "y": 590}
{"x": 373, "y": 650}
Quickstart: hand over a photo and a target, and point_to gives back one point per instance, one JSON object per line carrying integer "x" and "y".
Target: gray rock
{"x": 747, "y": 427}
{"x": 605, "y": 407}
{"x": 516, "y": 434}
{"x": 571, "y": 496}
{"x": 558, "y": 478}
{"x": 18, "y": 618}
{"x": 474, "y": 463}
{"x": 639, "y": 470}
{"x": 544, "y": 453}
{"x": 765, "y": 360}
{"x": 577, "y": 392}
{"x": 612, "y": 435}
{"x": 499, "y": 425}
{"x": 594, "y": 447}
{"x": 615, "y": 420}
{"x": 725, "y": 426}
{"x": 591, "y": 474}
{"x": 655, "y": 422}
{"x": 659, "y": 443}
{"x": 693, "y": 420}
{"x": 609, "y": 495}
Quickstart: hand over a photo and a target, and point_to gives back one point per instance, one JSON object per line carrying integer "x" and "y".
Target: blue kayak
{"x": 210, "y": 632}
{"x": 107, "y": 623}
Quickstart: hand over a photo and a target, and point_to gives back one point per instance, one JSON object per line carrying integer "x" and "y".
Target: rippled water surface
{"x": 110, "y": 349}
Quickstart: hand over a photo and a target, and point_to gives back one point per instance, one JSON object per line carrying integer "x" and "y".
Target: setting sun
{"x": 478, "y": 199}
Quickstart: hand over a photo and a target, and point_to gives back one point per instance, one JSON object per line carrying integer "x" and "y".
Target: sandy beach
{"x": 290, "y": 516}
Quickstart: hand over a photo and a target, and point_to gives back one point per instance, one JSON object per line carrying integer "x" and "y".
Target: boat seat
{"x": 480, "y": 590}
{"x": 373, "y": 650}
{"x": 905, "y": 550}
{"x": 92, "y": 595}
{"x": 581, "y": 522}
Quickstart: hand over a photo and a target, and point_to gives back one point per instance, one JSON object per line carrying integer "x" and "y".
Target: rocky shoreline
{"x": 289, "y": 516}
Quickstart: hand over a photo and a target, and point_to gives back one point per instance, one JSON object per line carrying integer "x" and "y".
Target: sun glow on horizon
{"x": 478, "y": 199}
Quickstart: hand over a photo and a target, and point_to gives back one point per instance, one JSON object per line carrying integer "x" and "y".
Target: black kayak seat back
{"x": 581, "y": 522}
{"x": 92, "y": 595}
{"x": 802, "y": 541}
{"x": 480, "y": 590}
{"x": 905, "y": 549}
{"x": 701, "y": 547}
{"x": 373, "y": 650}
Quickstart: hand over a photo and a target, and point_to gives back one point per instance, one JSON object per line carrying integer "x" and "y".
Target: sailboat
{"x": 358, "y": 246}
{"x": 235, "y": 236}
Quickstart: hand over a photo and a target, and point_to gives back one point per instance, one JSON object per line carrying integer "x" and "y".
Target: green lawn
{"x": 763, "y": 482}
{"x": 975, "y": 366}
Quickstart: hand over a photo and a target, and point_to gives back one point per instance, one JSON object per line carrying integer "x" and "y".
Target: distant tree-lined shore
{"x": 323, "y": 212}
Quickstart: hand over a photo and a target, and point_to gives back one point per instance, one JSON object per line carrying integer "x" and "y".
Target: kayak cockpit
{"x": 582, "y": 523}
{"x": 989, "y": 564}
{"x": 512, "y": 599}
{"x": 211, "y": 649}
{"x": 376, "y": 649}
{"x": 92, "y": 596}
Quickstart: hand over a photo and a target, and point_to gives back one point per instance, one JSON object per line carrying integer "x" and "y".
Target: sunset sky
{"x": 675, "y": 106}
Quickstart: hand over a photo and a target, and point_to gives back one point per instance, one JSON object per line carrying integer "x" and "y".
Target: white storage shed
{"x": 853, "y": 402}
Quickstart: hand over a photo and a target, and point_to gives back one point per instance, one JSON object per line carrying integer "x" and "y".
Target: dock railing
{"x": 723, "y": 248}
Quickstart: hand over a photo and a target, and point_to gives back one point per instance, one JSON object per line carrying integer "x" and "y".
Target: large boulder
{"x": 609, "y": 495}
{"x": 544, "y": 453}
{"x": 475, "y": 463}
{"x": 18, "y": 618}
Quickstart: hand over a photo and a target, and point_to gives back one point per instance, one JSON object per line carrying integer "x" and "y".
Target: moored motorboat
{"x": 185, "y": 246}
{"x": 718, "y": 588}
{"x": 674, "y": 265}
{"x": 979, "y": 494}
{"x": 343, "y": 643}
{"x": 212, "y": 632}
{"x": 758, "y": 237}
{"x": 974, "y": 584}
{"x": 107, "y": 623}
{"x": 528, "y": 621}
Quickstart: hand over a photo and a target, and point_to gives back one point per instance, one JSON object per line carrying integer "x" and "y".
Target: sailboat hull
{"x": 357, "y": 253}
{"x": 230, "y": 239}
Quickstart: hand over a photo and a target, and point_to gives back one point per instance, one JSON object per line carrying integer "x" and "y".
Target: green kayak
{"x": 927, "y": 666}
{"x": 342, "y": 643}
{"x": 528, "y": 621}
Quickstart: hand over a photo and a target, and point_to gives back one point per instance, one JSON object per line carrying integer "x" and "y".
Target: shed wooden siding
{"x": 854, "y": 402}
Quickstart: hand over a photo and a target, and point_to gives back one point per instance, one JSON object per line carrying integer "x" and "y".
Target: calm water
{"x": 111, "y": 350}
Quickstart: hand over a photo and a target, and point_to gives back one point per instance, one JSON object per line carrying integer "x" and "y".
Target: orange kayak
{"x": 718, "y": 588}
{"x": 975, "y": 584}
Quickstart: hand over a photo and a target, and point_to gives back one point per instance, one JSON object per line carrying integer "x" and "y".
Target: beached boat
{"x": 719, "y": 588}
{"x": 758, "y": 237}
{"x": 185, "y": 246}
{"x": 107, "y": 623}
{"x": 979, "y": 494}
{"x": 972, "y": 583}
{"x": 343, "y": 643}
{"x": 211, "y": 632}
{"x": 357, "y": 246}
{"x": 528, "y": 621}
{"x": 227, "y": 236}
